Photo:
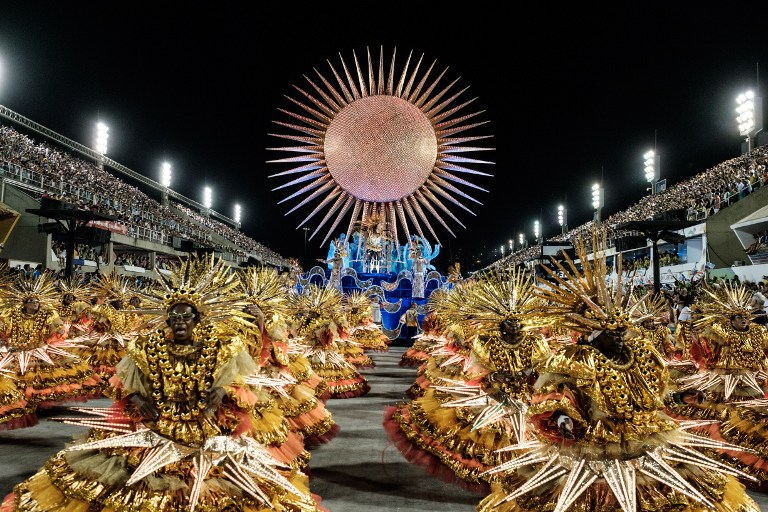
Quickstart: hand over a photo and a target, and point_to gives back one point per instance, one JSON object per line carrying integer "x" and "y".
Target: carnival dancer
{"x": 113, "y": 325}
{"x": 733, "y": 369}
{"x": 654, "y": 314}
{"x": 603, "y": 442}
{"x": 281, "y": 363}
{"x": 35, "y": 353}
{"x": 432, "y": 327}
{"x": 316, "y": 316}
{"x": 361, "y": 327}
{"x": 451, "y": 352}
{"x": 179, "y": 436}
{"x": 74, "y": 308}
{"x": 455, "y": 430}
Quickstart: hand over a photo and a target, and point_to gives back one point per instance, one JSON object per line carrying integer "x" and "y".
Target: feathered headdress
{"x": 113, "y": 286}
{"x": 204, "y": 282}
{"x": 723, "y": 303}
{"x": 496, "y": 296}
{"x": 266, "y": 288}
{"x": 316, "y": 306}
{"x": 652, "y": 306}
{"x": 75, "y": 286}
{"x": 583, "y": 298}
{"x": 357, "y": 306}
{"x": 42, "y": 288}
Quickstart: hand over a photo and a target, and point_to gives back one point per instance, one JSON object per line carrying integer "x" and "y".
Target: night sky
{"x": 572, "y": 95}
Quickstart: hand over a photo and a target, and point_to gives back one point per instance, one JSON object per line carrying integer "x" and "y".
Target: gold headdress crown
{"x": 113, "y": 286}
{"x": 652, "y": 306}
{"x": 316, "y": 305}
{"x": 723, "y": 303}
{"x": 583, "y": 299}
{"x": 74, "y": 286}
{"x": 266, "y": 288}
{"x": 42, "y": 288}
{"x": 496, "y": 296}
{"x": 205, "y": 283}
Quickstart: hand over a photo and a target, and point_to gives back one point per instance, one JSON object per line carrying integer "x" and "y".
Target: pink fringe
{"x": 28, "y": 420}
{"x": 422, "y": 458}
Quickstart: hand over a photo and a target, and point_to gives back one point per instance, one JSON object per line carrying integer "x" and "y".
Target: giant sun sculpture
{"x": 386, "y": 145}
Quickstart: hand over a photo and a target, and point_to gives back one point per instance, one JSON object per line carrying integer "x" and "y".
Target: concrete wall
{"x": 24, "y": 242}
{"x": 723, "y": 246}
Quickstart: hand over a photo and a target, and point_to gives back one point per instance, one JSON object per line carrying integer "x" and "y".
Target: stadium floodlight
{"x": 651, "y": 168}
{"x": 597, "y": 200}
{"x": 536, "y": 230}
{"x": 521, "y": 239}
{"x": 511, "y": 246}
{"x": 102, "y": 134}
{"x": 165, "y": 175}
{"x": 207, "y": 197}
{"x": 502, "y": 250}
{"x": 750, "y": 116}
{"x": 562, "y": 218}
{"x": 237, "y": 213}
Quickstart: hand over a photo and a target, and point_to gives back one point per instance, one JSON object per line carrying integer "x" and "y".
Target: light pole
{"x": 597, "y": 201}
{"x": 502, "y": 250}
{"x": 562, "y": 219}
{"x": 165, "y": 180}
{"x": 651, "y": 162}
{"x": 237, "y": 215}
{"x": 306, "y": 230}
{"x": 102, "y": 134}
{"x": 207, "y": 200}
{"x": 750, "y": 116}
{"x": 511, "y": 246}
{"x": 536, "y": 231}
{"x": 521, "y": 239}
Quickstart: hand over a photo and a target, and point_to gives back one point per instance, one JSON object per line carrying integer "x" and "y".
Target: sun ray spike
{"x": 355, "y": 213}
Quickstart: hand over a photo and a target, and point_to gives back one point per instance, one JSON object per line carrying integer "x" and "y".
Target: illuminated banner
{"x": 109, "y": 225}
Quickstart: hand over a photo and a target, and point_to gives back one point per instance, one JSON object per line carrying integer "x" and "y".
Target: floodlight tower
{"x": 750, "y": 116}
{"x": 502, "y": 250}
{"x": 597, "y": 201}
{"x": 511, "y": 246}
{"x": 237, "y": 215}
{"x": 521, "y": 239}
{"x": 102, "y": 134}
{"x": 165, "y": 180}
{"x": 536, "y": 230}
{"x": 207, "y": 200}
{"x": 651, "y": 163}
{"x": 562, "y": 219}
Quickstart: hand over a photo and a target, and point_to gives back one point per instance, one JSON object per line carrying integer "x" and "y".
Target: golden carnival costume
{"x": 603, "y": 442}
{"x": 35, "y": 353}
{"x": 454, "y": 428}
{"x": 105, "y": 344}
{"x": 74, "y": 308}
{"x": 361, "y": 327}
{"x": 432, "y": 332}
{"x": 450, "y": 355}
{"x": 180, "y": 435}
{"x": 733, "y": 369}
{"x": 281, "y": 362}
{"x": 315, "y": 325}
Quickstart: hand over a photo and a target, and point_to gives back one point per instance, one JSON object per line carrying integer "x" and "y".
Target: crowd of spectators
{"x": 60, "y": 175}
{"x": 702, "y": 195}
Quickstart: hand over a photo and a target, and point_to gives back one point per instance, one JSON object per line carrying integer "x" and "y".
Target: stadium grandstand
{"x": 134, "y": 234}
{"x": 724, "y": 208}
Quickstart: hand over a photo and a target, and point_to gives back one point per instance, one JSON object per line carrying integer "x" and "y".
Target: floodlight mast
{"x": 165, "y": 180}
